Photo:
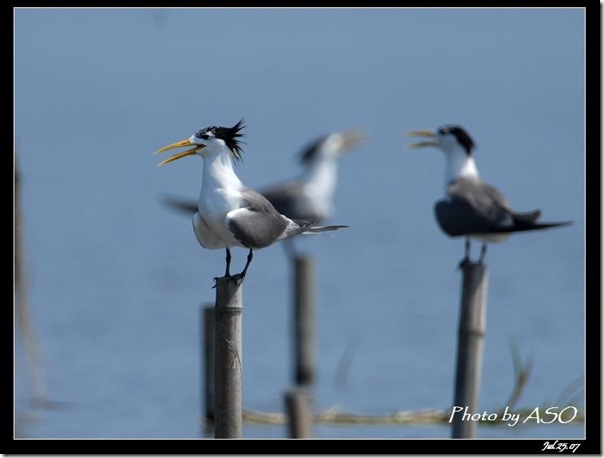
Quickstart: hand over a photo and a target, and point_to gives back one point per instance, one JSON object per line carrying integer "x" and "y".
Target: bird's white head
{"x": 209, "y": 140}
{"x": 450, "y": 138}
{"x": 331, "y": 146}
{"x": 457, "y": 145}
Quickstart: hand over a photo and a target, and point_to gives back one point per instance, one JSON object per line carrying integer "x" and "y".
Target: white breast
{"x": 213, "y": 208}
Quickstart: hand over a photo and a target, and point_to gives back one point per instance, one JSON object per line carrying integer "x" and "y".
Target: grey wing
{"x": 258, "y": 224}
{"x": 288, "y": 199}
{"x": 474, "y": 207}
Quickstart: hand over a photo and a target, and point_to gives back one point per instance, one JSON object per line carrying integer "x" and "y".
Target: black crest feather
{"x": 462, "y": 136}
{"x": 311, "y": 150}
{"x": 230, "y": 136}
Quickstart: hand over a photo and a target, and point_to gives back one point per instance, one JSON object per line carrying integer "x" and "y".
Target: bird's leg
{"x": 483, "y": 252}
{"x": 466, "y": 258}
{"x": 227, "y": 273}
{"x": 228, "y": 263}
{"x": 240, "y": 276}
{"x": 250, "y": 256}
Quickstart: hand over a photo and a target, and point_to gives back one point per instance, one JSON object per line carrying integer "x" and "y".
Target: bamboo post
{"x": 208, "y": 362}
{"x": 303, "y": 321}
{"x": 23, "y": 316}
{"x": 228, "y": 377}
{"x": 471, "y": 332}
{"x": 297, "y": 405}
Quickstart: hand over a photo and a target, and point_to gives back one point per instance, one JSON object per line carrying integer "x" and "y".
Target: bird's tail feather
{"x": 180, "y": 204}
{"x": 309, "y": 227}
{"x": 527, "y": 221}
{"x": 527, "y": 217}
{"x": 316, "y": 229}
{"x": 531, "y": 226}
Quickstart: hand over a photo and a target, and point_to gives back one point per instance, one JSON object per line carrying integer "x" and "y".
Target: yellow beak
{"x": 351, "y": 139}
{"x": 181, "y": 144}
{"x": 422, "y": 133}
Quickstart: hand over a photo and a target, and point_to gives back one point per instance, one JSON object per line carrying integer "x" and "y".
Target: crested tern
{"x": 472, "y": 208}
{"x": 229, "y": 213}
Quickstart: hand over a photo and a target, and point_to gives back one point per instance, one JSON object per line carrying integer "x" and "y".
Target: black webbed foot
{"x": 238, "y": 278}
{"x": 465, "y": 261}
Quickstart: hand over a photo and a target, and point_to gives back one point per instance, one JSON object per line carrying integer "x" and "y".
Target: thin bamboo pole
{"x": 208, "y": 361}
{"x": 23, "y": 315}
{"x": 303, "y": 321}
{"x": 297, "y": 405}
{"x": 228, "y": 414}
{"x": 471, "y": 332}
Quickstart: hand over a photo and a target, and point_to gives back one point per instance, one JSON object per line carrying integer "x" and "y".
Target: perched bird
{"x": 229, "y": 213}
{"x": 472, "y": 208}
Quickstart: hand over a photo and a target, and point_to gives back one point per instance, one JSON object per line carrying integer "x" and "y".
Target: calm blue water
{"x": 116, "y": 281}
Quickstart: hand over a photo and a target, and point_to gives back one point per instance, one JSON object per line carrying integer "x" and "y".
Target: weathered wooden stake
{"x": 228, "y": 377}
{"x": 23, "y": 316}
{"x": 297, "y": 405}
{"x": 471, "y": 331}
{"x": 303, "y": 321}
{"x": 208, "y": 363}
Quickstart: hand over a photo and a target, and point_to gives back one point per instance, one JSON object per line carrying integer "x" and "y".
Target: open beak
{"x": 181, "y": 144}
{"x": 423, "y": 133}
{"x": 351, "y": 139}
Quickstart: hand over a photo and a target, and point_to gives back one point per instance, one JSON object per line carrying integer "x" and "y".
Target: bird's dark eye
{"x": 205, "y": 133}
{"x": 442, "y": 130}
